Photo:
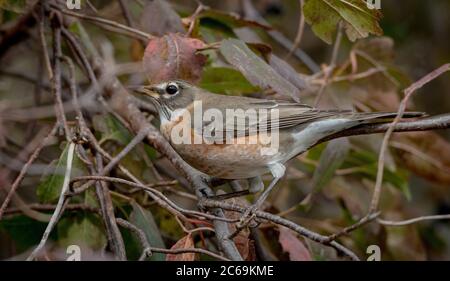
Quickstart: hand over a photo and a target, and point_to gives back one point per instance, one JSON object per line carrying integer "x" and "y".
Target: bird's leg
{"x": 277, "y": 171}
{"x": 255, "y": 185}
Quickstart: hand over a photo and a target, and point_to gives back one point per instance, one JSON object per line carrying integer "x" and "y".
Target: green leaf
{"x": 255, "y": 69}
{"x": 358, "y": 20}
{"x": 49, "y": 189}
{"x": 230, "y": 19}
{"x": 224, "y": 80}
{"x": 144, "y": 220}
{"x": 111, "y": 129}
{"x": 331, "y": 159}
{"x": 82, "y": 229}
{"x": 24, "y": 231}
{"x": 366, "y": 163}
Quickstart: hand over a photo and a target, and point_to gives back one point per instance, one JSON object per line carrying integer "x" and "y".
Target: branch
{"x": 414, "y": 220}
{"x": 124, "y": 106}
{"x": 438, "y": 122}
{"x": 59, "y": 206}
{"x": 136, "y": 33}
{"x": 281, "y": 221}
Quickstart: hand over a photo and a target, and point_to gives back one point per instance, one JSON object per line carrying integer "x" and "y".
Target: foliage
{"x": 325, "y": 190}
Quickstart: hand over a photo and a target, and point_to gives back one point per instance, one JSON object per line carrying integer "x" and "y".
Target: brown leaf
{"x": 293, "y": 246}
{"x": 173, "y": 57}
{"x": 184, "y": 243}
{"x": 426, "y": 154}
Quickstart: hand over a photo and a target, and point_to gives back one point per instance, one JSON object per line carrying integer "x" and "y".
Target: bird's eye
{"x": 172, "y": 89}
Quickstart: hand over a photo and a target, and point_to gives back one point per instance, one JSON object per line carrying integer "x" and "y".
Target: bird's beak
{"x": 147, "y": 91}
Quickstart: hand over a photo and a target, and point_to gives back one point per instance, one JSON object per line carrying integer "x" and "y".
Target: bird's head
{"x": 168, "y": 96}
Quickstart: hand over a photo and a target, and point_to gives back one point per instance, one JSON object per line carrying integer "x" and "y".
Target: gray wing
{"x": 256, "y": 115}
{"x": 253, "y": 116}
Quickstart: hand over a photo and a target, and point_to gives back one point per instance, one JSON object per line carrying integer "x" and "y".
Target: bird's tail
{"x": 384, "y": 116}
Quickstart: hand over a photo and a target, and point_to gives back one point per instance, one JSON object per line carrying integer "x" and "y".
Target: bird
{"x": 206, "y": 131}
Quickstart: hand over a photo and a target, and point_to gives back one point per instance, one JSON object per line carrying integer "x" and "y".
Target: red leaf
{"x": 173, "y": 57}
{"x": 184, "y": 243}
{"x": 293, "y": 246}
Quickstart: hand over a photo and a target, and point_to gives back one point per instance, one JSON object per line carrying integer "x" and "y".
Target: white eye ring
{"x": 172, "y": 89}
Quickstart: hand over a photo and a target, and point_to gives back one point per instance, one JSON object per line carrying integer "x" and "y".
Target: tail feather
{"x": 381, "y": 116}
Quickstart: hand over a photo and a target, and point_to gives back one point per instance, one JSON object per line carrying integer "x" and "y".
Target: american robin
{"x": 246, "y": 137}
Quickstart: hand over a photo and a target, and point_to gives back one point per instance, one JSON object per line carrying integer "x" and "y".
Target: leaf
{"x": 293, "y": 246}
{"x": 379, "y": 48}
{"x": 224, "y": 80}
{"x": 49, "y": 189}
{"x": 358, "y": 20}
{"x": 288, "y": 72}
{"x": 84, "y": 230}
{"x": 230, "y": 19}
{"x": 24, "y": 231}
{"x": 158, "y": 18}
{"x": 366, "y": 164}
{"x": 255, "y": 69}
{"x": 111, "y": 129}
{"x": 431, "y": 159}
{"x": 330, "y": 160}
{"x": 173, "y": 57}
{"x": 184, "y": 243}
{"x": 143, "y": 219}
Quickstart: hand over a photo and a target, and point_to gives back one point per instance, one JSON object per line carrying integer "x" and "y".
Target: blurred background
{"x": 417, "y": 175}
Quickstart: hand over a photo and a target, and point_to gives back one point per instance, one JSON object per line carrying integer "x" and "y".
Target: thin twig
{"x": 251, "y": 13}
{"x": 126, "y": 13}
{"x": 59, "y": 206}
{"x": 390, "y": 129}
{"x": 300, "y": 29}
{"x": 154, "y": 193}
{"x": 330, "y": 68}
{"x": 132, "y": 31}
{"x": 281, "y": 221}
{"x": 408, "y": 92}
{"x": 107, "y": 208}
{"x": 24, "y": 169}
{"x": 414, "y": 220}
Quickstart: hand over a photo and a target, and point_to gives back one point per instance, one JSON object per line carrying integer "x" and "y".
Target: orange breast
{"x": 241, "y": 159}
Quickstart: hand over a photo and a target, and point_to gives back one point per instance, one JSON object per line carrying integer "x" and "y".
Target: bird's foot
{"x": 248, "y": 217}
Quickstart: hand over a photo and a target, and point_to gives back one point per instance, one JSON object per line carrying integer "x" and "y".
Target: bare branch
{"x": 59, "y": 206}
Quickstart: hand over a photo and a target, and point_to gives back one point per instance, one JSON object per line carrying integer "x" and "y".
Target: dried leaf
{"x": 358, "y": 20}
{"x": 255, "y": 69}
{"x": 429, "y": 156}
{"x": 173, "y": 57}
{"x": 293, "y": 246}
{"x": 379, "y": 48}
{"x": 184, "y": 243}
{"x": 158, "y": 18}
